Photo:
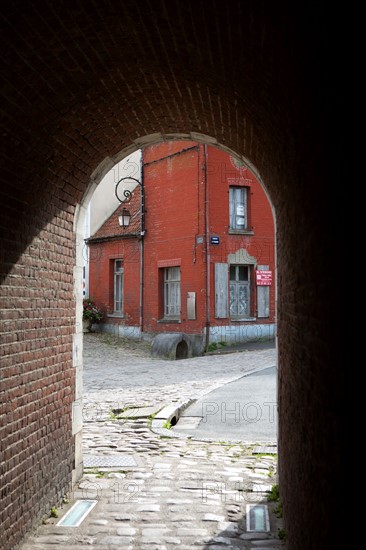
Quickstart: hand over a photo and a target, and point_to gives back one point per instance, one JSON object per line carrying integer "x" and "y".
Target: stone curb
{"x": 167, "y": 414}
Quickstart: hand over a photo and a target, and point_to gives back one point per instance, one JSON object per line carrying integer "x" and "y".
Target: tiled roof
{"x": 111, "y": 226}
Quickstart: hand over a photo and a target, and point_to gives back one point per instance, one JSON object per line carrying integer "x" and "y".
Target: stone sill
{"x": 115, "y": 315}
{"x": 241, "y": 232}
{"x": 243, "y": 320}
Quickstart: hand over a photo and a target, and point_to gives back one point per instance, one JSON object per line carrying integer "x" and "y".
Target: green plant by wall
{"x": 150, "y": 419}
{"x": 274, "y": 494}
{"x": 278, "y": 510}
{"x": 282, "y": 534}
{"x": 54, "y": 512}
{"x": 216, "y": 345}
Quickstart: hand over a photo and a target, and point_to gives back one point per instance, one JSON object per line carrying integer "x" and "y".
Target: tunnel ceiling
{"x": 85, "y": 79}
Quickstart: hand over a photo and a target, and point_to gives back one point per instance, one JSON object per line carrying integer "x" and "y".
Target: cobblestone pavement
{"x": 181, "y": 494}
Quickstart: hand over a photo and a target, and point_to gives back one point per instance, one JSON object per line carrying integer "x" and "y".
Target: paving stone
{"x": 160, "y": 489}
{"x": 146, "y": 519}
{"x": 170, "y": 512}
{"x": 181, "y": 518}
{"x": 233, "y": 507}
{"x": 191, "y": 532}
{"x": 126, "y": 531}
{"x": 213, "y": 517}
{"x": 148, "y": 508}
{"x": 154, "y": 531}
{"x": 156, "y": 539}
{"x": 57, "y": 539}
{"x": 220, "y": 540}
{"x": 265, "y": 463}
{"x": 179, "y": 501}
{"x": 164, "y": 475}
{"x": 141, "y": 475}
{"x": 94, "y": 530}
{"x": 179, "y": 510}
{"x": 114, "y": 541}
{"x": 98, "y": 522}
{"x": 125, "y": 517}
{"x": 261, "y": 471}
{"x": 173, "y": 455}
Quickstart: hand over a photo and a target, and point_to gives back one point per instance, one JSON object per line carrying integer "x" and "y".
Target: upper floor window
{"x": 238, "y": 208}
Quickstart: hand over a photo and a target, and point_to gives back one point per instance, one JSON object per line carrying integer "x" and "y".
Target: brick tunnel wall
{"x": 85, "y": 81}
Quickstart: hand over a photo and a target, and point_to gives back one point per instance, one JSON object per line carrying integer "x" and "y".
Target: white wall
{"x": 104, "y": 202}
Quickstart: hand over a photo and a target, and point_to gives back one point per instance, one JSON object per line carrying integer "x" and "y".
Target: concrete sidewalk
{"x": 243, "y": 410}
{"x": 171, "y": 493}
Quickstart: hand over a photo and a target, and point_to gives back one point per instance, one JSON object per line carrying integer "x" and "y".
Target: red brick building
{"x": 205, "y": 264}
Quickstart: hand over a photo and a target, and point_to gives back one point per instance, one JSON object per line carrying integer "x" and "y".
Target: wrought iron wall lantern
{"x": 124, "y": 218}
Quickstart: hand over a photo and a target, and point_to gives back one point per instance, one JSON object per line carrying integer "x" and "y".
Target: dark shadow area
{"x": 260, "y": 78}
{"x": 236, "y": 536}
{"x": 182, "y": 350}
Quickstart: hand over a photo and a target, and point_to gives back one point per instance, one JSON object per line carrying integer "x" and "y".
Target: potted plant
{"x": 91, "y": 314}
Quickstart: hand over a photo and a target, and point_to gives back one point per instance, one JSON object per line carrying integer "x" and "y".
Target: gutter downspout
{"x": 208, "y": 258}
{"x": 142, "y": 235}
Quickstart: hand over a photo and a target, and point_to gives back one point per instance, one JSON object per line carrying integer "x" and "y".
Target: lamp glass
{"x": 125, "y": 218}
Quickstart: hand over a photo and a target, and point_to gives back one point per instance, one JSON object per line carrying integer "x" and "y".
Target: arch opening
{"x": 241, "y": 247}
{"x": 257, "y": 85}
{"x": 181, "y": 351}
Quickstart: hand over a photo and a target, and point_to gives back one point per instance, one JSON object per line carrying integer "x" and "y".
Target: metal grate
{"x": 108, "y": 461}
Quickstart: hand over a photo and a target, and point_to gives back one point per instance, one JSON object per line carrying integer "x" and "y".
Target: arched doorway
{"x": 258, "y": 88}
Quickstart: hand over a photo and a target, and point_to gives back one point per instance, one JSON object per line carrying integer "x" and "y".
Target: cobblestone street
{"x": 180, "y": 493}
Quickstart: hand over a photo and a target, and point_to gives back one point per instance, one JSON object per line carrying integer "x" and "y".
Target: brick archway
{"x": 81, "y": 84}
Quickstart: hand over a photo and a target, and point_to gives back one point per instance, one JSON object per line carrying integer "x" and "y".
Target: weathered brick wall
{"x": 84, "y": 81}
{"x": 175, "y": 189}
{"x": 221, "y": 173}
{"x": 37, "y": 375}
{"x": 101, "y": 278}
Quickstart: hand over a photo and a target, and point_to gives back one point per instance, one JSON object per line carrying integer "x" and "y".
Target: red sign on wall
{"x": 263, "y": 278}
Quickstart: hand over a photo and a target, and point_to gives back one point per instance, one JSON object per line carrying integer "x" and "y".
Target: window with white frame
{"x": 118, "y": 287}
{"x": 239, "y": 291}
{"x": 172, "y": 292}
{"x": 238, "y": 208}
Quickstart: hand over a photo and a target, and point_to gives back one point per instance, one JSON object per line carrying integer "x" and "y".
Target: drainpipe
{"x": 142, "y": 235}
{"x": 208, "y": 279}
